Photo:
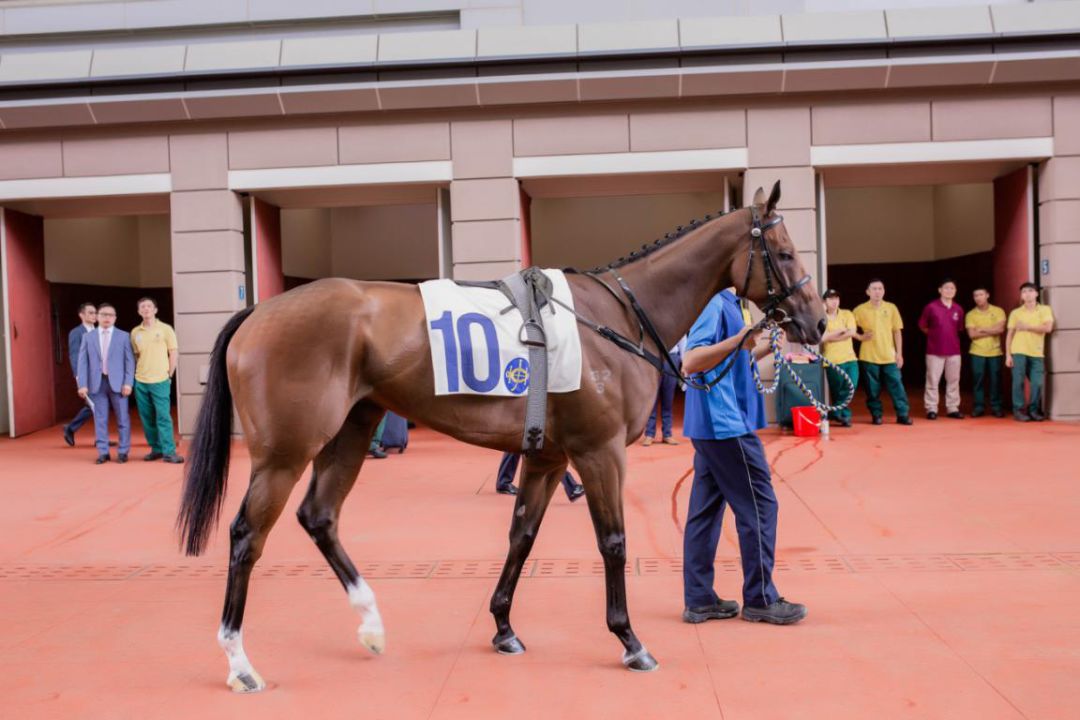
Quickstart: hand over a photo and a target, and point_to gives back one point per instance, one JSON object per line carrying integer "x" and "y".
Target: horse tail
{"x": 207, "y": 469}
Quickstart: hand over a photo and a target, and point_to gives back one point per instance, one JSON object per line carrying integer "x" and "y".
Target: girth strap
{"x": 526, "y": 290}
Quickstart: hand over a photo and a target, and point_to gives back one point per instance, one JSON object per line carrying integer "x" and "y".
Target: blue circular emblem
{"x": 516, "y": 375}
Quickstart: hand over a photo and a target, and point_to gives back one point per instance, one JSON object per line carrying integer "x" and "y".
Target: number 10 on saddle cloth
{"x": 476, "y": 346}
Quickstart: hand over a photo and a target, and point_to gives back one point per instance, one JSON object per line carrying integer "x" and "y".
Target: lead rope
{"x": 775, "y": 334}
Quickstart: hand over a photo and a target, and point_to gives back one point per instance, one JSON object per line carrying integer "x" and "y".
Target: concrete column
{"x": 485, "y": 203}
{"x": 207, "y": 258}
{"x": 1059, "y": 254}
{"x": 778, "y": 148}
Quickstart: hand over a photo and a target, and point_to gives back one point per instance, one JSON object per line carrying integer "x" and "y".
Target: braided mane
{"x": 650, "y": 248}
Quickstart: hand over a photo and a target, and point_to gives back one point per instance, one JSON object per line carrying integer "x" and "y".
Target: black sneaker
{"x": 121, "y": 458}
{"x": 844, "y": 422}
{"x": 1021, "y": 416}
{"x": 377, "y": 453}
{"x": 977, "y": 412}
{"x": 931, "y": 415}
{"x": 956, "y": 415}
{"x": 720, "y": 610}
{"x": 151, "y": 457}
{"x": 1037, "y": 416}
{"x": 999, "y": 413}
{"x": 876, "y": 419}
{"x": 173, "y": 459}
{"x": 904, "y": 420}
{"x": 780, "y": 612}
{"x": 102, "y": 459}
{"x": 506, "y": 489}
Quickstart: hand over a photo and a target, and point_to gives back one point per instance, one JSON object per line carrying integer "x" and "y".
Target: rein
{"x": 774, "y": 316}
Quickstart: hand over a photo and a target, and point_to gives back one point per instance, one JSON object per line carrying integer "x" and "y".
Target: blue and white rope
{"x": 775, "y": 341}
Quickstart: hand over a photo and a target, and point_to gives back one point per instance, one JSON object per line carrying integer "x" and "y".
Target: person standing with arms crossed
{"x": 881, "y": 355}
{"x": 985, "y": 323}
{"x": 838, "y": 349}
{"x": 155, "y": 348}
{"x": 1025, "y": 348}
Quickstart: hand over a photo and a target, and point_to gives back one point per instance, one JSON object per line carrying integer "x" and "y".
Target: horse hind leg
{"x": 602, "y": 473}
{"x": 335, "y": 471}
{"x": 261, "y": 507}
{"x": 538, "y": 484}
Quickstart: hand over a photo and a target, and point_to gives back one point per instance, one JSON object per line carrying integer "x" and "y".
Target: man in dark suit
{"x": 106, "y": 374}
{"x": 88, "y": 316}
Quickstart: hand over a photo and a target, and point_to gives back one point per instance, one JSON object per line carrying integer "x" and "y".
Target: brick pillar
{"x": 207, "y": 258}
{"x": 1059, "y": 250}
{"x": 485, "y": 201}
{"x": 778, "y": 148}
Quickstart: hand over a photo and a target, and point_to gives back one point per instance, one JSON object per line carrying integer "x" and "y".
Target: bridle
{"x": 774, "y": 315}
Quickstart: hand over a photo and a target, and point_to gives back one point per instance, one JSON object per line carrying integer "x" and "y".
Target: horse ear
{"x": 774, "y": 198}
{"x": 759, "y": 197}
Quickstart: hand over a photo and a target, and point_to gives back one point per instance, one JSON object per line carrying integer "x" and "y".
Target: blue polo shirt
{"x": 733, "y": 407}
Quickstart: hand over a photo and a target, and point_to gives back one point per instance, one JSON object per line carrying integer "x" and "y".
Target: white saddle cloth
{"x": 476, "y": 347}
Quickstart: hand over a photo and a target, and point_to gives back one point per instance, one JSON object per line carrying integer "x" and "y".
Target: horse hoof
{"x": 246, "y": 682}
{"x": 374, "y": 641}
{"x": 508, "y": 645}
{"x": 641, "y": 661}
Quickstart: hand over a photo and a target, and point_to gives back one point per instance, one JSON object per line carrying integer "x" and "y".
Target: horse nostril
{"x": 822, "y": 325}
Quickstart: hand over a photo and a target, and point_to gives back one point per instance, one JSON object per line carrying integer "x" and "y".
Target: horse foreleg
{"x": 603, "y": 472}
{"x": 261, "y": 507}
{"x": 335, "y": 471}
{"x": 538, "y": 483}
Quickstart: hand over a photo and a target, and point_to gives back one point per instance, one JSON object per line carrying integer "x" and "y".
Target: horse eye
{"x": 786, "y": 257}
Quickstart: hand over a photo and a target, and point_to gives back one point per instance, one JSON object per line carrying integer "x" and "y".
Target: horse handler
{"x": 729, "y": 467}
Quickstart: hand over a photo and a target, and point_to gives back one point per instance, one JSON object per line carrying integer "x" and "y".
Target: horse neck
{"x": 675, "y": 283}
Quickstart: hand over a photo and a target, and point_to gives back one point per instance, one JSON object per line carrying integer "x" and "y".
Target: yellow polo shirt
{"x": 882, "y": 321}
{"x": 985, "y": 319}
{"x": 840, "y": 351}
{"x": 1024, "y": 342}
{"x": 151, "y": 346}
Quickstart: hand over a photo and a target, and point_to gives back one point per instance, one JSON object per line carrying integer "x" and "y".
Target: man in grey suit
{"x": 88, "y": 316}
{"x": 106, "y": 375}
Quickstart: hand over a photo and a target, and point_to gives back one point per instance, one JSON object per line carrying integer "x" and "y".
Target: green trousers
{"x": 376, "y": 439}
{"x": 838, "y": 389}
{"x": 889, "y": 376}
{"x": 986, "y": 371}
{"x": 1032, "y": 368}
{"x": 152, "y": 400}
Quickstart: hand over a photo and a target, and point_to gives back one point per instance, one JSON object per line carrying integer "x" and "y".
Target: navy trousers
{"x": 104, "y": 399}
{"x": 508, "y": 469}
{"x": 665, "y": 394}
{"x": 80, "y": 419}
{"x": 735, "y": 472}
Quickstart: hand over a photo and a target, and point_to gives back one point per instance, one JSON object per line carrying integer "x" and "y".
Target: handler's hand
{"x": 867, "y": 335}
{"x": 83, "y": 392}
{"x": 126, "y": 390}
{"x": 899, "y": 361}
{"x": 1008, "y": 361}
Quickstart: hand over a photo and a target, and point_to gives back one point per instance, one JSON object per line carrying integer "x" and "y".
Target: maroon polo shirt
{"x": 943, "y": 326}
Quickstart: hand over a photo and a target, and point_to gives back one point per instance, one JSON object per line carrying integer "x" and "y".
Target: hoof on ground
{"x": 641, "y": 661}
{"x": 246, "y": 682}
{"x": 508, "y": 645}
{"x": 374, "y": 641}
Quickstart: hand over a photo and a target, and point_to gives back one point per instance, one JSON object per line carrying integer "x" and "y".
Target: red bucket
{"x": 807, "y": 421}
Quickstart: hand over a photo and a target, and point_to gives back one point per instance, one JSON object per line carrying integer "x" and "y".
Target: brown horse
{"x": 312, "y": 371}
